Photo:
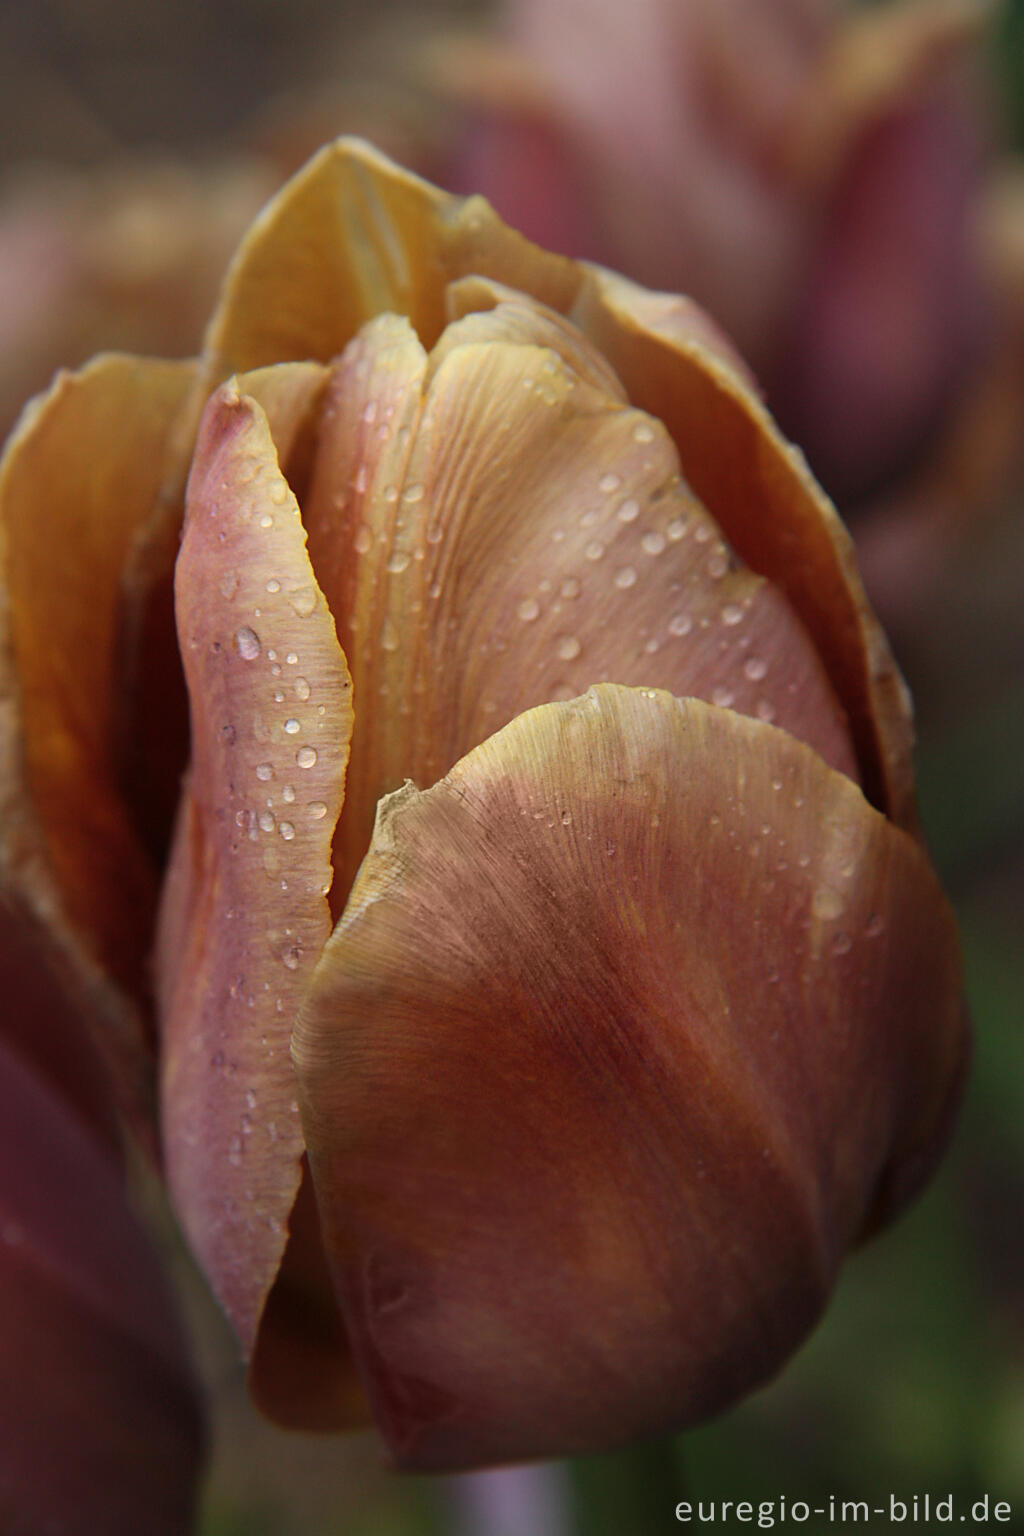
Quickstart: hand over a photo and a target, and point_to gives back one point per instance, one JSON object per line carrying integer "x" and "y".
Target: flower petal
{"x": 353, "y": 236}
{"x": 154, "y": 725}
{"x": 79, "y": 477}
{"x": 492, "y": 530}
{"x": 768, "y": 506}
{"x": 628, "y": 1026}
{"x": 245, "y": 910}
{"x": 100, "y": 1412}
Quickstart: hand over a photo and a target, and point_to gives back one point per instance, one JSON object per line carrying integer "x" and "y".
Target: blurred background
{"x": 838, "y": 184}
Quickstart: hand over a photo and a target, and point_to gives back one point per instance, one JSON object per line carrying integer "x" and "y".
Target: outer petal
{"x": 79, "y": 477}
{"x": 353, "y": 236}
{"x": 629, "y": 1024}
{"x": 493, "y": 529}
{"x": 100, "y": 1419}
{"x": 245, "y": 910}
{"x": 769, "y": 507}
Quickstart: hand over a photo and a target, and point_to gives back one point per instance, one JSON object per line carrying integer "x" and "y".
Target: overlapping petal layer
{"x": 630, "y": 1025}
{"x": 245, "y": 910}
{"x": 493, "y": 527}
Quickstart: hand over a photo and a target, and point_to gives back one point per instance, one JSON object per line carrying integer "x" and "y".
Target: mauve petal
{"x": 353, "y": 236}
{"x": 154, "y": 725}
{"x": 632, "y": 1024}
{"x": 493, "y": 530}
{"x": 245, "y": 911}
{"x": 764, "y": 499}
{"x": 101, "y": 1425}
{"x": 79, "y": 477}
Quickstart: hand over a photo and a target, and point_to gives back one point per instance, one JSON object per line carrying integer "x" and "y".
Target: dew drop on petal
{"x": 264, "y": 771}
{"x": 609, "y": 483}
{"x": 755, "y": 668}
{"x": 303, "y": 601}
{"x": 306, "y": 757}
{"x": 594, "y": 550}
{"x": 653, "y": 543}
{"x": 629, "y": 511}
{"x": 567, "y": 647}
{"x": 528, "y": 609}
{"x": 287, "y": 831}
{"x": 732, "y": 614}
{"x": 247, "y": 643}
{"x": 292, "y": 727}
{"x": 389, "y": 637}
{"x": 362, "y": 541}
{"x": 302, "y": 689}
{"x": 680, "y": 624}
{"x": 626, "y": 577}
{"x": 288, "y": 793}
{"x": 570, "y": 587}
{"x": 316, "y": 810}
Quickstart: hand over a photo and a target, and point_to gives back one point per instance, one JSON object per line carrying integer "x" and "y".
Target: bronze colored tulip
{"x": 551, "y": 985}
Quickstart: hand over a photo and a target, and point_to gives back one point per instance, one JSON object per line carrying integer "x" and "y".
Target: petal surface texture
{"x": 100, "y": 1415}
{"x": 495, "y": 527}
{"x": 630, "y": 1024}
{"x": 245, "y": 908}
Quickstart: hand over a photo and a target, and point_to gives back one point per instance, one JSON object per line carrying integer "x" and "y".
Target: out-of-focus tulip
{"x": 645, "y": 1005}
{"x": 99, "y": 1417}
{"x": 803, "y": 168}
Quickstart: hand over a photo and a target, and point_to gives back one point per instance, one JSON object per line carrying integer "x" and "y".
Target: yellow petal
{"x": 80, "y": 476}
{"x": 492, "y": 530}
{"x": 768, "y": 506}
{"x": 628, "y": 1026}
{"x": 245, "y": 911}
{"x": 353, "y": 236}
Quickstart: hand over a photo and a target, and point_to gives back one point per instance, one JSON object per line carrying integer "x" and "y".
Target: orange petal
{"x": 627, "y": 1027}
{"x": 79, "y": 478}
{"x": 769, "y": 508}
{"x": 353, "y": 236}
{"x": 101, "y": 1423}
{"x": 245, "y": 910}
{"x": 493, "y": 530}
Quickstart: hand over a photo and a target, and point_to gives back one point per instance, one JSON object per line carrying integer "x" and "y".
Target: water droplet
{"x": 359, "y": 484}
{"x": 755, "y": 668}
{"x": 370, "y": 412}
{"x": 306, "y": 757}
{"x": 273, "y": 585}
{"x": 292, "y": 727}
{"x": 287, "y": 831}
{"x": 732, "y": 614}
{"x": 528, "y": 610}
{"x": 629, "y": 511}
{"x": 567, "y": 647}
{"x": 389, "y": 637}
{"x": 723, "y": 697}
{"x": 652, "y": 647}
{"x": 826, "y": 904}
{"x": 566, "y": 818}
{"x": 266, "y": 521}
{"x": 229, "y": 585}
{"x": 413, "y": 493}
{"x": 676, "y": 529}
{"x": 398, "y": 562}
{"x": 362, "y": 540}
{"x": 653, "y": 543}
{"x": 316, "y": 810}
{"x": 680, "y": 624}
{"x": 626, "y": 577}
{"x": 874, "y": 927}
{"x": 291, "y": 958}
{"x": 717, "y": 566}
{"x": 278, "y": 696}
{"x": 643, "y": 432}
{"x": 247, "y": 643}
{"x": 302, "y": 689}
{"x": 570, "y": 587}
{"x": 288, "y": 793}
{"x": 390, "y": 494}
{"x": 267, "y": 821}
{"x": 765, "y": 710}
{"x": 609, "y": 483}
{"x": 594, "y": 550}
{"x": 702, "y": 532}
{"x": 303, "y": 600}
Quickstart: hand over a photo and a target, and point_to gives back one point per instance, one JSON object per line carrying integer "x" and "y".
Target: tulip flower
{"x": 551, "y": 983}
{"x": 805, "y": 168}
